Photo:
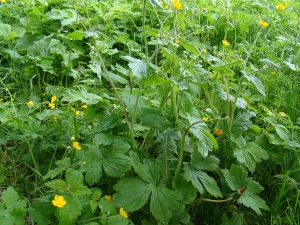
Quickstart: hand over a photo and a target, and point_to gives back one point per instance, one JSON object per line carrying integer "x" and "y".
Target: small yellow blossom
{"x": 51, "y": 105}
{"x": 77, "y": 112}
{"x": 108, "y": 198}
{"x": 177, "y": 41}
{"x": 204, "y": 51}
{"x": 263, "y": 23}
{"x": 3, "y": 1}
{"x": 280, "y": 6}
{"x": 205, "y": 118}
{"x": 59, "y": 201}
{"x": 177, "y": 5}
{"x": 30, "y": 103}
{"x": 225, "y": 43}
{"x": 273, "y": 72}
{"x": 218, "y": 132}
{"x": 123, "y": 213}
{"x": 53, "y": 98}
{"x": 282, "y": 114}
{"x": 76, "y": 145}
{"x": 54, "y": 118}
{"x": 84, "y": 106}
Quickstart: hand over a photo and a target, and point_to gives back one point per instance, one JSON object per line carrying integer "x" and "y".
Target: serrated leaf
{"x": 241, "y": 122}
{"x": 106, "y": 123}
{"x": 163, "y": 200}
{"x": 117, "y": 220}
{"x": 38, "y": 217}
{"x": 93, "y": 167}
{"x": 107, "y": 207}
{"x": 120, "y": 145}
{"x": 283, "y": 132}
{"x": 166, "y": 141}
{"x": 205, "y": 144}
{"x": 253, "y": 201}
{"x": 187, "y": 192}
{"x": 170, "y": 54}
{"x": 79, "y": 189}
{"x": 116, "y": 78}
{"x": 69, "y": 213}
{"x": 250, "y": 154}
{"x": 138, "y": 67}
{"x": 116, "y": 164}
{"x": 153, "y": 118}
{"x": 148, "y": 170}
{"x": 72, "y": 95}
{"x": 74, "y": 177}
{"x": 103, "y": 139}
{"x": 154, "y": 80}
{"x": 10, "y": 197}
{"x": 59, "y": 185}
{"x": 133, "y": 102}
{"x": 76, "y": 35}
{"x": 257, "y": 83}
{"x": 199, "y": 162}
{"x": 133, "y": 193}
{"x": 236, "y": 177}
{"x": 52, "y": 173}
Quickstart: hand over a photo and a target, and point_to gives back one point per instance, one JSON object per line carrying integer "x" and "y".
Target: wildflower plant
{"x": 119, "y": 112}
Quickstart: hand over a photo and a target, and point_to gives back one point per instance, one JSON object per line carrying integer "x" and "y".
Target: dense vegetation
{"x": 149, "y": 112}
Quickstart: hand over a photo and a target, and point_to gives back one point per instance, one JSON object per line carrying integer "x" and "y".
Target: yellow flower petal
{"x": 263, "y": 23}
{"x": 76, "y": 145}
{"x": 51, "y": 105}
{"x": 177, "y": 5}
{"x": 225, "y": 43}
{"x": 59, "y": 201}
{"x": 280, "y": 6}
{"x": 84, "y": 106}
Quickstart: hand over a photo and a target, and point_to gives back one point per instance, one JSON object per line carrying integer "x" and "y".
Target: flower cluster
{"x": 51, "y": 103}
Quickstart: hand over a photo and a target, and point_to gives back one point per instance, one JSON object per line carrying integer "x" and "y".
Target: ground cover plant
{"x": 149, "y": 112}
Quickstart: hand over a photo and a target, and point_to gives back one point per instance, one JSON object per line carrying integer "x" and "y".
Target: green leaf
{"x": 76, "y": 35}
{"x": 282, "y": 132}
{"x": 253, "y": 201}
{"x": 103, "y": 139}
{"x": 163, "y": 200}
{"x": 79, "y": 189}
{"x": 108, "y": 122}
{"x": 74, "y": 177}
{"x": 134, "y": 103}
{"x": 149, "y": 170}
{"x": 92, "y": 166}
{"x": 138, "y": 67}
{"x": 133, "y": 193}
{"x": 117, "y": 220}
{"x": 205, "y": 144}
{"x": 59, "y": 185}
{"x": 38, "y": 217}
{"x": 52, "y": 173}
{"x": 237, "y": 219}
{"x": 153, "y": 118}
{"x": 115, "y": 78}
{"x": 69, "y": 213}
{"x": 187, "y": 192}
{"x": 257, "y": 83}
{"x": 241, "y": 122}
{"x": 170, "y": 54}
{"x": 236, "y": 178}
{"x": 107, "y": 207}
{"x": 154, "y": 80}
{"x": 198, "y": 177}
{"x": 10, "y": 197}
{"x": 166, "y": 141}
{"x": 72, "y": 95}
{"x": 250, "y": 154}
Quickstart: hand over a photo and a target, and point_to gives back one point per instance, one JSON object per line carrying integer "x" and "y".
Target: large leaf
{"x": 163, "y": 200}
{"x": 69, "y": 213}
{"x": 187, "y": 192}
{"x": 108, "y": 122}
{"x": 149, "y": 170}
{"x": 133, "y": 193}
{"x": 153, "y": 118}
{"x": 237, "y": 178}
{"x": 166, "y": 141}
{"x": 241, "y": 122}
{"x": 138, "y": 67}
{"x": 72, "y": 95}
{"x": 201, "y": 132}
{"x": 257, "y": 83}
{"x": 134, "y": 103}
{"x": 200, "y": 179}
{"x": 250, "y": 154}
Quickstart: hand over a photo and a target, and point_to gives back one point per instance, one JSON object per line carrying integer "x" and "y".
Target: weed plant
{"x": 149, "y": 112}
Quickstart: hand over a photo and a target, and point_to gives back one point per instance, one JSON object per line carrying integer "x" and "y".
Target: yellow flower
{"x": 77, "y": 112}
{"x": 273, "y": 72}
{"x": 76, "y": 145}
{"x": 59, "y": 201}
{"x": 225, "y": 43}
{"x": 205, "y": 118}
{"x": 177, "y": 41}
{"x": 204, "y": 51}
{"x": 30, "y": 103}
{"x": 3, "y": 1}
{"x": 177, "y": 5}
{"x": 51, "y": 105}
{"x": 84, "y": 106}
{"x": 280, "y": 6}
{"x": 282, "y": 114}
{"x": 108, "y": 198}
{"x": 123, "y": 213}
{"x": 54, "y": 118}
{"x": 1, "y": 99}
{"x": 53, "y": 98}
{"x": 263, "y": 23}
{"x": 218, "y": 132}
{"x": 166, "y": 7}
